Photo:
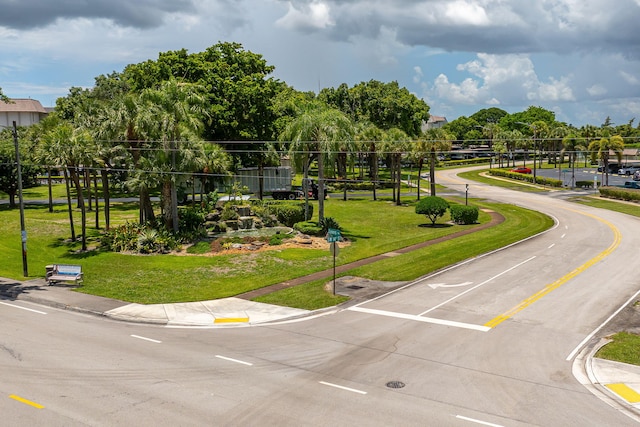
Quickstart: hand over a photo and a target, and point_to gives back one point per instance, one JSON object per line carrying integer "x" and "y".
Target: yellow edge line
{"x": 28, "y": 402}
{"x": 564, "y": 279}
{"x": 231, "y": 320}
{"x": 624, "y": 391}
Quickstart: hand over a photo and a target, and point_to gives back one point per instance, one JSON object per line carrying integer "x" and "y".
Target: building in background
{"x": 25, "y": 112}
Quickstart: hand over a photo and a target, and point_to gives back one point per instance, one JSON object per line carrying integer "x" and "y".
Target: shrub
{"x": 288, "y": 213}
{"x": 310, "y": 228}
{"x": 228, "y": 213}
{"x": 327, "y": 223}
{"x": 463, "y": 214}
{"x": 627, "y": 194}
{"x": 277, "y": 239}
{"x": 433, "y": 207}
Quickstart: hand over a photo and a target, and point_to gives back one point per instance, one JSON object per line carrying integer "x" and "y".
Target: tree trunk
{"x": 320, "y": 187}
{"x": 420, "y": 163}
{"x": 146, "y": 208}
{"x": 83, "y": 211}
{"x": 50, "y": 189}
{"x": 432, "y": 172}
{"x": 167, "y": 208}
{"x": 398, "y": 177}
{"x": 66, "y": 183}
{"x": 105, "y": 191}
{"x": 95, "y": 193}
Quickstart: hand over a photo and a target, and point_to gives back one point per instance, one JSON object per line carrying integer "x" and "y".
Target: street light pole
{"x": 23, "y": 231}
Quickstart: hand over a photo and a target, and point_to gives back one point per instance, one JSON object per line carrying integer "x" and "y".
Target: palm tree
{"x": 572, "y": 144}
{"x": 602, "y": 149}
{"x": 178, "y": 109}
{"x": 432, "y": 140}
{"x": 317, "y": 132}
{"x": 366, "y": 136}
{"x": 394, "y": 143}
{"x": 66, "y": 147}
{"x": 127, "y": 121}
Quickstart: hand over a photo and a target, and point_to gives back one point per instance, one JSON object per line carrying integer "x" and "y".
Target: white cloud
{"x": 596, "y": 90}
{"x": 502, "y": 79}
{"x": 629, "y": 78}
{"x": 462, "y": 12}
{"x": 315, "y": 16}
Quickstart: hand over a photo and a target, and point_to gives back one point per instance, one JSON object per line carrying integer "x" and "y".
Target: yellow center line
{"x": 564, "y": 279}
{"x": 28, "y": 402}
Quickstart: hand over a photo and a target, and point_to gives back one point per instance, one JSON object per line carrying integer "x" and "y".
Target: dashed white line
{"x": 23, "y": 308}
{"x": 343, "y": 387}
{"x": 562, "y": 237}
{"x": 551, "y": 245}
{"x": 146, "y": 339}
{"x": 234, "y": 360}
{"x": 484, "y": 423}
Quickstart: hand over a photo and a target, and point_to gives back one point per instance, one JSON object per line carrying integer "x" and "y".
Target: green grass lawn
{"x": 612, "y": 205}
{"x": 623, "y": 348}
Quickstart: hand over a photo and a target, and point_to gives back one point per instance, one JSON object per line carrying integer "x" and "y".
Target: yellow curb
{"x": 624, "y": 391}
{"x": 231, "y": 320}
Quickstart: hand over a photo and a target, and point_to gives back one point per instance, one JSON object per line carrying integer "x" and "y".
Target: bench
{"x": 63, "y": 273}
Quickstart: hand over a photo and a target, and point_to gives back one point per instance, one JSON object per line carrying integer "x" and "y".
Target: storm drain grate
{"x": 354, "y": 287}
{"x": 395, "y": 384}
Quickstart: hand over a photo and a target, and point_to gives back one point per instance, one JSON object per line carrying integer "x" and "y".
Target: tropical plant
{"x": 602, "y": 147}
{"x": 432, "y": 140}
{"x": 317, "y": 133}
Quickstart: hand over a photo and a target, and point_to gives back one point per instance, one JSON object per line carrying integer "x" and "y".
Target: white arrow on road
{"x": 442, "y": 285}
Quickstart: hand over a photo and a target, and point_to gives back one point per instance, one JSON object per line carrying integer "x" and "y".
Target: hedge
{"x": 552, "y": 182}
{"x": 627, "y": 194}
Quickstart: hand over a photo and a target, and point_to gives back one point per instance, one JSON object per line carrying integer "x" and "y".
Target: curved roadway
{"x": 488, "y": 342}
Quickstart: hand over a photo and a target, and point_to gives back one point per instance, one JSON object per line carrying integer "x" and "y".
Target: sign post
{"x": 333, "y": 237}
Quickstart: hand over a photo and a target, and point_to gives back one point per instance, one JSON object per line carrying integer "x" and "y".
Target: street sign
{"x": 333, "y": 235}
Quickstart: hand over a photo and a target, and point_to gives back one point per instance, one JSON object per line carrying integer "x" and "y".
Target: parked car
{"x": 628, "y": 170}
{"x": 636, "y": 176}
{"x": 521, "y": 170}
{"x": 632, "y": 184}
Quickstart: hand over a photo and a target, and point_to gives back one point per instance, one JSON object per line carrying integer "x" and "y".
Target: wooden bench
{"x": 64, "y": 273}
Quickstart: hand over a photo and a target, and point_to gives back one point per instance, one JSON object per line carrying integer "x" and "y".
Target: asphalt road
{"x": 489, "y": 342}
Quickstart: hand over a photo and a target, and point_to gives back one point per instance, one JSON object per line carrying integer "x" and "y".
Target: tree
{"x": 179, "y": 109}
{"x": 386, "y": 105}
{"x": 367, "y": 135}
{"x": 316, "y": 133}
{"x": 9, "y": 170}
{"x": 572, "y": 144}
{"x": 488, "y": 116}
{"x": 432, "y": 141}
{"x": 3, "y": 97}
{"x": 602, "y": 147}
{"x": 394, "y": 143}
{"x": 433, "y": 207}
{"x": 66, "y": 146}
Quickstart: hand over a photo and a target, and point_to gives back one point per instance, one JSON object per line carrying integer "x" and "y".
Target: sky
{"x": 577, "y": 58}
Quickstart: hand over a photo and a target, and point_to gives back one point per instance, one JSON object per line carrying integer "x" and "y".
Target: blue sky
{"x": 578, "y": 58}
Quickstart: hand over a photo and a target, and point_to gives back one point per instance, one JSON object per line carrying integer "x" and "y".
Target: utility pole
{"x": 23, "y": 231}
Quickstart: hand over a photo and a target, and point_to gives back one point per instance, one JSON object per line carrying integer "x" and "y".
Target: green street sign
{"x": 333, "y": 235}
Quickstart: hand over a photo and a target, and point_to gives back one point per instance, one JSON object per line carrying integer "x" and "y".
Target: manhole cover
{"x": 354, "y": 287}
{"x": 395, "y": 384}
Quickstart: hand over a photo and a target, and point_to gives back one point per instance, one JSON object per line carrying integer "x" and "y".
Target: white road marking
{"x": 23, "y": 308}
{"x": 595, "y": 331}
{"x": 484, "y": 423}
{"x": 343, "y": 387}
{"x": 562, "y": 237}
{"x": 421, "y": 319}
{"x": 551, "y": 245}
{"x": 477, "y": 286}
{"x": 442, "y": 285}
{"x": 146, "y": 339}
{"x": 234, "y": 360}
